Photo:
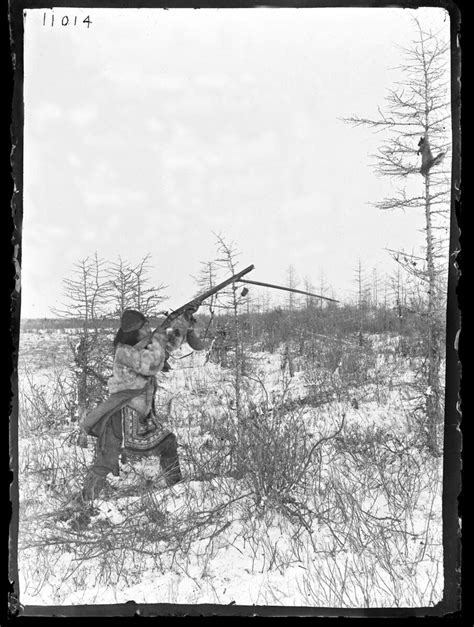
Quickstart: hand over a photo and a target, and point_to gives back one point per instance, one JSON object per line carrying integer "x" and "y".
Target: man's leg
{"x": 106, "y": 458}
{"x": 169, "y": 461}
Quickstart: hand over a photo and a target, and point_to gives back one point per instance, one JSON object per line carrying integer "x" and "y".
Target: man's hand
{"x": 194, "y": 341}
{"x": 189, "y": 313}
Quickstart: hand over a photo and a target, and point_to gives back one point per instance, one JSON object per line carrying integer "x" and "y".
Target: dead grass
{"x": 348, "y": 510}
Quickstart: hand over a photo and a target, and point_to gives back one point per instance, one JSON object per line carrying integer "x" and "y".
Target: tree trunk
{"x": 433, "y": 393}
{"x": 81, "y": 363}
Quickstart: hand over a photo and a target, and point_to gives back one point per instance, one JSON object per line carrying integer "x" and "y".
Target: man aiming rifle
{"x": 126, "y": 420}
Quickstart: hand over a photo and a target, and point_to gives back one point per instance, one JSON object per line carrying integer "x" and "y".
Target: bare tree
{"x": 146, "y": 297}
{"x": 207, "y": 277}
{"x": 416, "y": 117}
{"x": 121, "y": 281}
{"x": 97, "y": 291}
{"x": 86, "y": 293}
{"x": 323, "y": 288}
{"x": 87, "y": 300}
{"x": 309, "y": 287}
{"x": 362, "y": 297}
{"x": 399, "y": 297}
{"x": 375, "y": 288}
{"x": 231, "y": 301}
{"x": 292, "y": 282}
{"x": 130, "y": 288}
{"x": 206, "y": 280}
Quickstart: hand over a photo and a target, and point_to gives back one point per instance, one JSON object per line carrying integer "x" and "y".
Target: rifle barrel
{"x": 201, "y": 297}
{"x": 287, "y": 289}
{"x": 220, "y": 286}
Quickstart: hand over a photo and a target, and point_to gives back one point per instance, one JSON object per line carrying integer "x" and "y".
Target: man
{"x": 128, "y": 416}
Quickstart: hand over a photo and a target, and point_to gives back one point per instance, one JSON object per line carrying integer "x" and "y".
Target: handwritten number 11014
{"x": 65, "y": 20}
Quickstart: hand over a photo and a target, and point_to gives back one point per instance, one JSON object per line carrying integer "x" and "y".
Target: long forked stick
{"x": 286, "y": 289}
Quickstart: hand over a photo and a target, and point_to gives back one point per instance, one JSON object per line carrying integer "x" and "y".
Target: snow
{"x": 367, "y": 527}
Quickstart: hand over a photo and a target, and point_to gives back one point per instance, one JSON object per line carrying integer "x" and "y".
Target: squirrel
{"x": 427, "y": 159}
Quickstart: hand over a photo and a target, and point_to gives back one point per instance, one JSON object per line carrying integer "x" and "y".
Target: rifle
{"x": 194, "y": 304}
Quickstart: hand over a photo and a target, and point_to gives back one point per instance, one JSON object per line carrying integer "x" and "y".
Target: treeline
{"x": 270, "y": 328}
{"x": 37, "y": 324}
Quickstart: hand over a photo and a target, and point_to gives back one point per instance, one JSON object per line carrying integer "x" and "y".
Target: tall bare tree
{"x": 292, "y": 282}
{"x": 121, "y": 279}
{"x": 86, "y": 298}
{"x": 323, "y": 288}
{"x": 97, "y": 291}
{"x": 309, "y": 287}
{"x": 375, "y": 288}
{"x": 362, "y": 297}
{"x": 206, "y": 280}
{"x": 415, "y": 125}
{"x": 146, "y": 297}
{"x": 130, "y": 287}
{"x": 231, "y": 301}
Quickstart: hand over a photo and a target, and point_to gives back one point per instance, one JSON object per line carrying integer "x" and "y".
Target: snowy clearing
{"x": 329, "y": 499}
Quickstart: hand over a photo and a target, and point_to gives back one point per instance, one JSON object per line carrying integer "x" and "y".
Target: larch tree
{"x": 129, "y": 287}
{"x": 121, "y": 280}
{"x": 231, "y": 302}
{"x": 292, "y": 282}
{"x": 145, "y": 296}
{"x": 415, "y": 124}
{"x": 207, "y": 280}
{"x": 86, "y": 299}
{"x": 96, "y": 292}
{"x": 362, "y": 298}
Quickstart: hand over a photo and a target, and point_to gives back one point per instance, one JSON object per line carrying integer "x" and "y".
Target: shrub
{"x": 47, "y": 404}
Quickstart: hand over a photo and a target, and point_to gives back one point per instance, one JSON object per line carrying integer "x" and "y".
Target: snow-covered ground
{"x": 355, "y": 521}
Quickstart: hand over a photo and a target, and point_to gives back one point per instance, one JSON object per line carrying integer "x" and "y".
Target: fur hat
{"x": 132, "y": 320}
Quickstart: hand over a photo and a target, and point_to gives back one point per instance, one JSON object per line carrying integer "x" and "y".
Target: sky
{"x": 151, "y": 131}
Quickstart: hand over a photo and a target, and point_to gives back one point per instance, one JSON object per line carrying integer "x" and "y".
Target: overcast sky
{"x": 149, "y": 130}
